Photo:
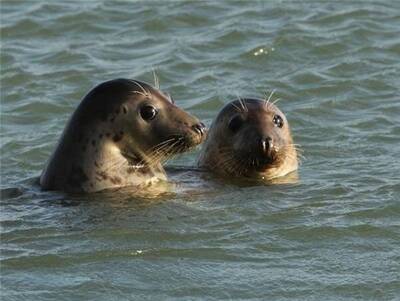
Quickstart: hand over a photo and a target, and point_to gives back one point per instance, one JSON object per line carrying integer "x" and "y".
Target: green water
{"x": 335, "y": 235}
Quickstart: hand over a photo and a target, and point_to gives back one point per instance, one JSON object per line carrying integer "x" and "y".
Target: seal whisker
{"x": 269, "y": 98}
{"x": 171, "y": 100}
{"x": 151, "y": 152}
{"x": 300, "y": 153}
{"x": 292, "y": 144}
{"x": 299, "y": 158}
{"x": 243, "y": 104}
{"x": 227, "y": 159}
{"x": 228, "y": 165}
{"x": 169, "y": 154}
{"x": 241, "y": 166}
{"x": 232, "y": 164}
{"x": 119, "y": 164}
{"x": 161, "y": 152}
{"x": 167, "y": 142}
{"x": 163, "y": 147}
{"x": 236, "y": 107}
{"x": 156, "y": 80}
{"x": 140, "y": 93}
{"x": 141, "y": 87}
{"x": 276, "y": 100}
{"x": 296, "y": 147}
{"x": 179, "y": 142}
{"x": 157, "y": 155}
{"x": 165, "y": 153}
{"x": 160, "y": 144}
{"x": 158, "y": 149}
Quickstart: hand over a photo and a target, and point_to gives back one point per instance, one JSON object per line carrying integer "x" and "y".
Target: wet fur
{"x": 231, "y": 155}
{"x": 105, "y": 145}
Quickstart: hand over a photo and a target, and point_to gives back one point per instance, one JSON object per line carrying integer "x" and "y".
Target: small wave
{"x": 10, "y": 193}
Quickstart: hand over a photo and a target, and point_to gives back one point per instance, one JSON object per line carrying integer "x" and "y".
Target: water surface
{"x": 335, "y": 235}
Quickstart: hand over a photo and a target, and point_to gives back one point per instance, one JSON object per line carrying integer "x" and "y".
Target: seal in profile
{"x": 250, "y": 138}
{"x": 119, "y": 135}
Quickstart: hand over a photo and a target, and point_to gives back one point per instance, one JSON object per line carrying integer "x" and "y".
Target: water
{"x": 335, "y": 235}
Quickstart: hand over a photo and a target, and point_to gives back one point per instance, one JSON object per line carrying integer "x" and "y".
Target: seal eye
{"x": 148, "y": 112}
{"x": 235, "y": 123}
{"x": 278, "y": 121}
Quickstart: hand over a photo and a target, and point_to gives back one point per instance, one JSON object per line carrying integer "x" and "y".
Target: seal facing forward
{"x": 119, "y": 136}
{"x": 250, "y": 138}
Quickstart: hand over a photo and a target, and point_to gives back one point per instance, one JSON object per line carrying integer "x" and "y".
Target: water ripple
{"x": 334, "y": 235}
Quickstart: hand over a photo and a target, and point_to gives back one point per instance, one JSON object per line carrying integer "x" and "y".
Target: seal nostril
{"x": 203, "y": 128}
{"x": 266, "y": 144}
{"x": 199, "y": 128}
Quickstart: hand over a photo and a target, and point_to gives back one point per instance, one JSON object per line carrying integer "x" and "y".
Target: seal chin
{"x": 275, "y": 166}
{"x": 264, "y": 165}
{"x": 267, "y": 161}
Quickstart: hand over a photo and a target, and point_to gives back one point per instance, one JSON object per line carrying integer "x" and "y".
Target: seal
{"x": 120, "y": 134}
{"x": 250, "y": 138}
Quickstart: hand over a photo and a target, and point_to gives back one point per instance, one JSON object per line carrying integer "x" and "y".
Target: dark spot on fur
{"x": 144, "y": 170}
{"x": 102, "y": 175}
{"x": 131, "y": 170}
{"x": 112, "y": 119}
{"x": 116, "y": 180}
{"x": 96, "y": 164}
{"x": 91, "y": 185}
{"x": 100, "y": 136}
{"x": 108, "y": 134}
{"x": 121, "y": 133}
{"x": 125, "y": 110}
{"x": 118, "y": 137}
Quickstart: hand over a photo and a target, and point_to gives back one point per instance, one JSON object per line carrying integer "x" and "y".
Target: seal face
{"x": 119, "y": 136}
{"x": 250, "y": 138}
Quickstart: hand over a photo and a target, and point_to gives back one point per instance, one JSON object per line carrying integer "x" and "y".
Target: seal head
{"x": 119, "y": 135}
{"x": 250, "y": 138}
